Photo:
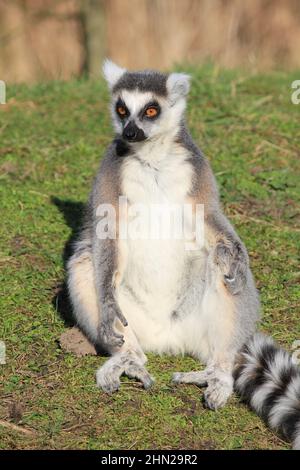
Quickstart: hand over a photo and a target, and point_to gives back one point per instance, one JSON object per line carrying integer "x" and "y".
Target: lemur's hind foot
{"x": 124, "y": 363}
{"x": 199, "y": 378}
{"x": 218, "y": 391}
{"x": 219, "y": 385}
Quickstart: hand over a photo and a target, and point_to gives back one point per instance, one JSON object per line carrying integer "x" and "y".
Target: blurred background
{"x": 60, "y": 39}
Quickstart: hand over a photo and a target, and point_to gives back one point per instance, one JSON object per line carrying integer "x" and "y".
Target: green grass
{"x": 52, "y": 137}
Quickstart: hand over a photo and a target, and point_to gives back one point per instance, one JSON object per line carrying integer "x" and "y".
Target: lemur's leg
{"x": 217, "y": 376}
{"x": 82, "y": 291}
{"x": 225, "y": 294}
{"x": 128, "y": 359}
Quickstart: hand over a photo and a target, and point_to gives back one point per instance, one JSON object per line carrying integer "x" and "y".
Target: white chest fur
{"x": 157, "y": 175}
{"x": 157, "y": 270}
{"x": 156, "y": 181}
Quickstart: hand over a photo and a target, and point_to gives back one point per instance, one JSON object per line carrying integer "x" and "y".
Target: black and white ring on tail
{"x": 132, "y": 295}
{"x": 269, "y": 382}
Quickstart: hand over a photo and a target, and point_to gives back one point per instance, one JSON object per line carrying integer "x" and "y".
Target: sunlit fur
{"x": 204, "y": 302}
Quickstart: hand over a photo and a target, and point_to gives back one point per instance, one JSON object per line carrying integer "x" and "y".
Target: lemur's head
{"x": 146, "y": 104}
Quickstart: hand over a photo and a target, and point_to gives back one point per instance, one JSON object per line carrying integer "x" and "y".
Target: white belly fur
{"x": 161, "y": 277}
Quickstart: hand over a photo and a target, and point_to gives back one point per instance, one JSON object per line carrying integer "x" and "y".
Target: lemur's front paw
{"x": 232, "y": 260}
{"x": 107, "y": 333}
{"x": 109, "y": 337}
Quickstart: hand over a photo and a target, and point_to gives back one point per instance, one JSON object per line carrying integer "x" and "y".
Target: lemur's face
{"x": 146, "y": 105}
{"x": 137, "y": 115}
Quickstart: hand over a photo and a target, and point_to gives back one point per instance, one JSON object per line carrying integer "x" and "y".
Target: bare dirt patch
{"x": 73, "y": 341}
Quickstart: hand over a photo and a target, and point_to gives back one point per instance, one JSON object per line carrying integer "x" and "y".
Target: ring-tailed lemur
{"x": 134, "y": 295}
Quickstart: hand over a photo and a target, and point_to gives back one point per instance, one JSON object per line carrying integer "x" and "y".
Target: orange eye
{"x": 121, "y": 110}
{"x": 151, "y": 112}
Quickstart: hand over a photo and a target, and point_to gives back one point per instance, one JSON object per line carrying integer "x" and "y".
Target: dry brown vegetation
{"x": 45, "y": 39}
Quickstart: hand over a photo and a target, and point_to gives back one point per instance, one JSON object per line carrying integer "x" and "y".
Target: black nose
{"x": 130, "y": 131}
{"x": 133, "y": 133}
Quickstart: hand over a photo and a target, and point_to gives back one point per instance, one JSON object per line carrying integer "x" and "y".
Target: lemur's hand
{"x": 107, "y": 334}
{"x": 232, "y": 259}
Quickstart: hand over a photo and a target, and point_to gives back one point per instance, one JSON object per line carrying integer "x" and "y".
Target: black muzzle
{"x": 132, "y": 133}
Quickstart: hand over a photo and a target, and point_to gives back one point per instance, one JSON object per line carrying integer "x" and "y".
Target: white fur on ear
{"x": 112, "y": 72}
{"x": 178, "y": 85}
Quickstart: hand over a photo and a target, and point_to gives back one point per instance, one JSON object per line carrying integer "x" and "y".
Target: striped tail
{"x": 269, "y": 382}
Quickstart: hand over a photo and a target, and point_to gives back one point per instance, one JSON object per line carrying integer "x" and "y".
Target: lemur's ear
{"x": 112, "y": 72}
{"x": 178, "y": 85}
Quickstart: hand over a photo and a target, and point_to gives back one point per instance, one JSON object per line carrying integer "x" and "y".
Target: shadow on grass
{"x": 73, "y": 214}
